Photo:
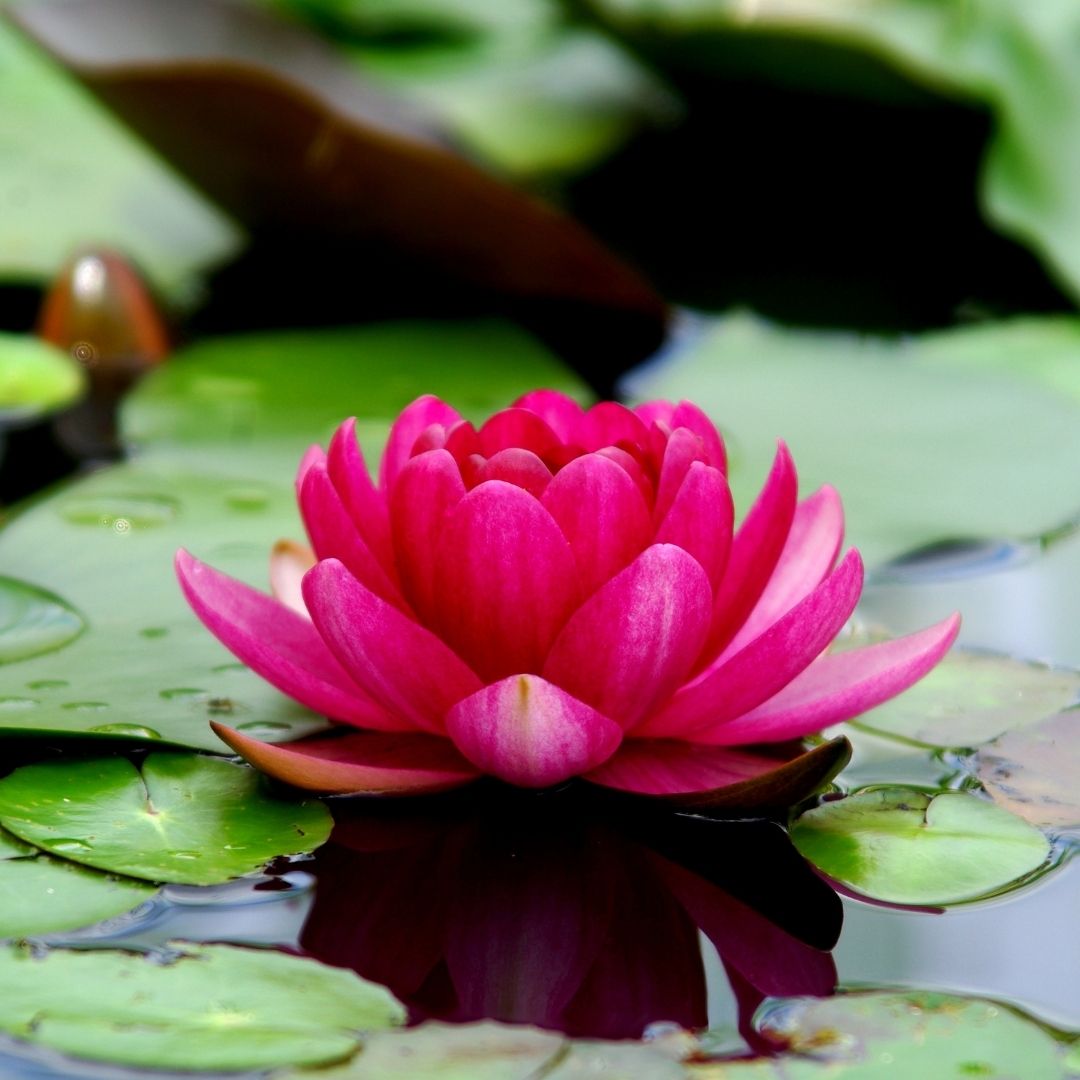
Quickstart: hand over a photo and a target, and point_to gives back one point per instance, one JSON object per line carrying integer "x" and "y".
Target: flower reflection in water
{"x": 542, "y": 910}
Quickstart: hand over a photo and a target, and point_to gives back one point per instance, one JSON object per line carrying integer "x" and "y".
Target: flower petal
{"x": 765, "y": 666}
{"x": 407, "y": 428}
{"x": 357, "y": 764}
{"x": 682, "y": 449}
{"x": 528, "y": 732}
{"x": 402, "y": 666}
{"x": 365, "y": 504}
{"x": 840, "y": 686}
{"x": 516, "y": 427}
{"x": 313, "y": 455}
{"x": 281, "y": 646}
{"x": 426, "y": 489}
{"x": 609, "y": 424}
{"x": 634, "y": 640}
{"x": 817, "y": 532}
{"x": 519, "y": 467}
{"x": 755, "y": 551}
{"x": 505, "y": 578}
{"x": 289, "y": 562}
{"x": 600, "y": 510}
{"x": 687, "y": 415}
{"x": 334, "y": 536}
{"x": 700, "y": 520}
{"x": 561, "y": 413}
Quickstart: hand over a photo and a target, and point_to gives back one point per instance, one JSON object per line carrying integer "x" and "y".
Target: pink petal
{"x": 402, "y": 666}
{"x": 516, "y": 427}
{"x": 530, "y": 733}
{"x": 682, "y": 450}
{"x": 289, "y": 562}
{"x": 809, "y": 554}
{"x": 633, "y": 468}
{"x": 840, "y": 686}
{"x": 561, "y": 413}
{"x": 688, "y": 415}
{"x": 601, "y": 512}
{"x": 633, "y": 642}
{"x": 334, "y": 536}
{"x": 431, "y": 438}
{"x": 357, "y": 764}
{"x": 426, "y": 489}
{"x": 755, "y": 551}
{"x": 700, "y": 520}
{"x": 313, "y": 455}
{"x": 505, "y": 579}
{"x": 766, "y": 665}
{"x": 655, "y": 412}
{"x": 281, "y": 646}
{"x": 463, "y": 442}
{"x": 519, "y": 467}
{"x": 407, "y": 428}
{"x": 365, "y": 504}
{"x": 609, "y": 424}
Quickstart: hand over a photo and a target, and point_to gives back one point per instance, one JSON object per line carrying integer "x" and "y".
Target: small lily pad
{"x": 1033, "y": 772}
{"x": 213, "y": 1007}
{"x": 184, "y": 818}
{"x": 35, "y": 377}
{"x": 971, "y": 697}
{"x": 34, "y": 621}
{"x": 904, "y": 846}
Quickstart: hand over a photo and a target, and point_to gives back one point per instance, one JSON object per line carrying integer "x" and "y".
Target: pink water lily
{"x": 558, "y": 594}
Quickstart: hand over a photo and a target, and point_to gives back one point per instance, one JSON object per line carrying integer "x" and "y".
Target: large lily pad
{"x": 213, "y": 1007}
{"x": 905, "y": 846}
{"x": 881, "y": 1036}
{"x": 1033, "y": 772}
{"x": 971, "y": 697}
{"x": 183, "y": 818}
{"x": 906, "y": 486}
{"x": 72, "y": 176}
{"x": 35, "y": 378}
{"x": 1020, "y": 60}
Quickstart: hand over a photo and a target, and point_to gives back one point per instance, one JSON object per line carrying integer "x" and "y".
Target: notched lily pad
{"x": 905, "y": 846}
{"x": 1034, "y": 772}
{"x": 213, "y": 1007}
{"x": 34, "y": 621}
{"x": 971, "y": 697}
{"x": 184, "y": 818}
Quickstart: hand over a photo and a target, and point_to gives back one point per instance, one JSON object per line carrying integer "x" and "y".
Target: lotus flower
{"x": 558, "y": 594}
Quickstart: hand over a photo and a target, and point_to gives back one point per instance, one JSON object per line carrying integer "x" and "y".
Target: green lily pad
{"x": 626, "y": 1060}
{"x": 885, "y": 431}
{"x": 214, "y": 1007}
{"x": 184, "y": 818}
{"x": 882, "y": 1036}
{"x": 1033, "y": 772}
{"x": 41, "y": 895}
{"x": 35, "y": 377}
{"x": 33, "y": 621}
{"x": 971, "y": 697}
{"x": 905, "y": 846}
{"x": 73, "y": 176}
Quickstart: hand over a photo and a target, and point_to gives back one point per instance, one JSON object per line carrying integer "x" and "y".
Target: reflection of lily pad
{"x": 904, "y": 846}
{"x": 184, "y": 818}
{"x": 33, "y": 621}
{"x": 43, "y": 895}
{"x": 35, "y": 377}
{"x": 885, "y": 430}
{"x": 215, "y": 1007}
{"x": 1035, "y": 772}
{"x": 971, "y": 697}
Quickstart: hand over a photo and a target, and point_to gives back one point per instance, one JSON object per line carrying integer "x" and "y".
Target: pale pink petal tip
{"x": 528, "y": 732}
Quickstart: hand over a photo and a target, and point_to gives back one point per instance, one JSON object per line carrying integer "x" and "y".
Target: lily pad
{"x": 33, "y": 621}
{"x": 1033, "y": 772}
{"x": 906, "y": 486}
{"x": 971, "y": 697}
{"x": 213, "y": 1007}
{"x": 184, "y": 818}
{"x": 904, "y": 846}
{"x": 35, "y": 378}
{"x": 41, "y": 895}
{"x": 881, "y": 1036}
